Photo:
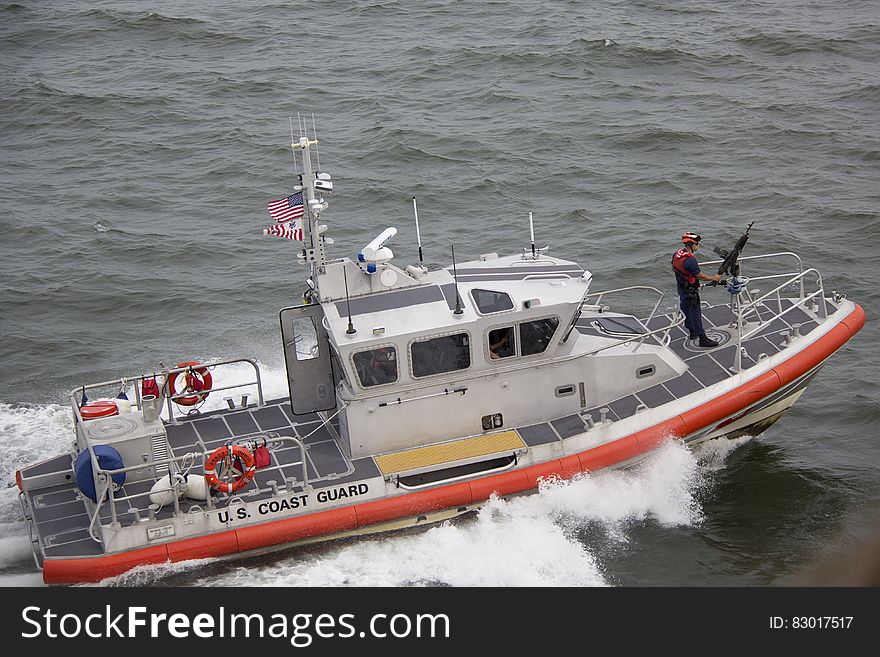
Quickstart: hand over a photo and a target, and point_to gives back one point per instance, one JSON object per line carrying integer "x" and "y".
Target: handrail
{"x": 762, "y": 256}
{"x": 272, "y": 436}
{"x": 22, "y": 502}
{"x": 742, "y": 310}
{"x": 804, "y": 298}
{"x": 641, "y": 339}
{"x": 78, "y": 419}
{"x": 258, "y": 382}
{"x": 767, "y": 256}
{"x": 588, "y": 294}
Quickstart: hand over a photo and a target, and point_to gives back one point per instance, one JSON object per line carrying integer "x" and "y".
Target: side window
{"x": 501, "y": 343}
{"x": 444, "y": 354}
{"x": 535, "y": 336}
{"x": 489, "y": 302}
{"x": 376, "y": 366}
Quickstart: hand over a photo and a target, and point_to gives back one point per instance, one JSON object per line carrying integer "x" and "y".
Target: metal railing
{"x": 184, "y": 463}
{"x": 100, "y": 474}
{"x": 742, "y": 312}
{"x": 138, "y": 380}
{"x": 637, "y": 339}
{"x": 273, "y": 439}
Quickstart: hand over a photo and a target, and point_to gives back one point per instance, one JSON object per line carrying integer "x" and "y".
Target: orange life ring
{"x": 229, "y": 454}
{"x": 196, "y": 379}
{"x": 100, "y": 408}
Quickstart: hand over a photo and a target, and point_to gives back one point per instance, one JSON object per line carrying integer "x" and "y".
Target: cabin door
{"x": 307, "y": 357}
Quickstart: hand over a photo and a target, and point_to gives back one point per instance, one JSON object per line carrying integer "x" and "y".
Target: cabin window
{"x": 377, "y": 366}
{"x": 489, "y": 302}
{"x": 534, "y": 337}
{"x": 501, "y": 343}
{"x": 447, "y": 353}
{"x": 305, "y": 337}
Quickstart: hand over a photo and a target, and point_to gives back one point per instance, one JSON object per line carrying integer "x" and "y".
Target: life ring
{"x": 233, "y": 458}
{"x": 100, "y": 408}
{"x": 195, "y": 379}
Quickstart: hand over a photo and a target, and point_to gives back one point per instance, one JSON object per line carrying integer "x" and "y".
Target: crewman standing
{"x": 688, "y": 277}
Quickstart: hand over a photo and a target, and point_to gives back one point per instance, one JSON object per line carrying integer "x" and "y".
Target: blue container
{"x": 108, "y": 459}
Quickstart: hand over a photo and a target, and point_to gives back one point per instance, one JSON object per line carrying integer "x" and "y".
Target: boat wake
{"x": 541, "y": 539}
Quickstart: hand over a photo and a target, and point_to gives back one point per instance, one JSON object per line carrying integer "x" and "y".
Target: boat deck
{"x": 61, "y": 515}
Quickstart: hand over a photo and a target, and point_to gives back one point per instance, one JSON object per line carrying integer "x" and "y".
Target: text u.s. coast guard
{"x": 301, "y": 501}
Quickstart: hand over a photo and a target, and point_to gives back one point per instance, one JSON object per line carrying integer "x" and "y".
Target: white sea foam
{"x": 148, "y": 574}
{"x": 713, "y": 453}
{"x": 23, "y": 579}
{"x": 30, "y": 433}
{"x": 14, "y": 546}
{"x": 530, "y": 540}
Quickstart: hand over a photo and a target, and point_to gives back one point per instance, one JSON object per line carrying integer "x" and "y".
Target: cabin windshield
{"x": 535, "y": 337}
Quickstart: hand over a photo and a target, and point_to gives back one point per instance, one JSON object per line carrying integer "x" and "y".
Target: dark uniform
{"x": 686, "y": 269}
{"x": 687, "y": 276}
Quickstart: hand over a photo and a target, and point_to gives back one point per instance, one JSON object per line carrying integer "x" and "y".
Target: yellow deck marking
{"x": 458, "y": 450}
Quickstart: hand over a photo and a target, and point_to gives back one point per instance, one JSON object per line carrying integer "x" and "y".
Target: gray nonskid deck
{"x": 705, "y": 367}
{"x": 61, "y": 515}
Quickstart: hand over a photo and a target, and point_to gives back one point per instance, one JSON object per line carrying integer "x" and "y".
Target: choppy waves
{"x": 141, "y": 146}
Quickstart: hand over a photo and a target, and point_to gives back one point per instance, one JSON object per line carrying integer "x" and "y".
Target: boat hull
{"x": 746, "y": 409}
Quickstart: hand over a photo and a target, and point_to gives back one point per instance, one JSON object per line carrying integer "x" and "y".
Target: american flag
{"x": 286, "y": 231}
{"x": 287, "y": 208}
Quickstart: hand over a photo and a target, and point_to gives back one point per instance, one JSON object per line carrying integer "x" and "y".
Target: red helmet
{"x": 691, "y": 238}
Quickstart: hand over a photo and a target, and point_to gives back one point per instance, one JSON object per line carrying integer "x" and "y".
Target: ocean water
{"x": 141, "y": 141}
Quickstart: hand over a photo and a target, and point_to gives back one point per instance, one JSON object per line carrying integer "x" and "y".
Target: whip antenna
{"x": 418, "y": 234}
{"x": 458, "y": 310}
{"x": 532, "y": 232}
{"x": 315, "y": 132}
{"x": 292, "y": 149}
{"x": 351, "y": 330}
{"x": 531, "y": 223}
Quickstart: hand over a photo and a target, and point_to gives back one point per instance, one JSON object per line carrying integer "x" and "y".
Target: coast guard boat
{"x": 414, "y": 396}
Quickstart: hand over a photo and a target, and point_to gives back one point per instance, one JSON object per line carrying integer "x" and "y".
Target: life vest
{"x": 683, "y": 275}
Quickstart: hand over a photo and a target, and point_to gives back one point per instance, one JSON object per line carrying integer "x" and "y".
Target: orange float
{"x": 195, "y": 379}
{"x": 100, "y": 408}
{"x": 230, "y": 455}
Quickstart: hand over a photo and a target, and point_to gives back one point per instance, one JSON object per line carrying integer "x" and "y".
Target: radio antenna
{"x": 418, "y": 234}
{"x": 531, "y": 223}
{"x": 302, "y": 127}
{"x": 292, "y": 149}
{"x": 315, "y": 133}
{"x": 532, "y": 231}
{"x": 458, "y": 310}
{"x": 351, "y": 330}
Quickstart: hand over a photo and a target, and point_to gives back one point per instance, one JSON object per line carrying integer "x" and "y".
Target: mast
{"x": 313, "y": 240}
